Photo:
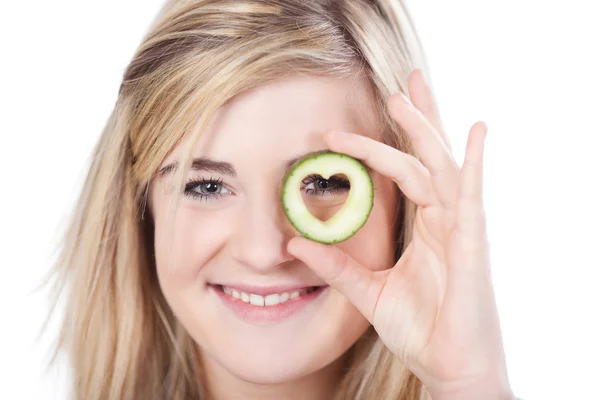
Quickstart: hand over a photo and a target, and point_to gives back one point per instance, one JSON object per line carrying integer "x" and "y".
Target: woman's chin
{"x": 268, "y": 375}
{"x": 268, "y": 371}
{"x": 267, "y": 365}
{"x": 274, "y": 365}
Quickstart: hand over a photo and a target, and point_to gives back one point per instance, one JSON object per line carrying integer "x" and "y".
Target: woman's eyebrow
{"x": 202, "y": 164}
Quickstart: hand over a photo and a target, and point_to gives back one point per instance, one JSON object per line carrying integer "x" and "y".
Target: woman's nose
{"x": 260, "y": 242}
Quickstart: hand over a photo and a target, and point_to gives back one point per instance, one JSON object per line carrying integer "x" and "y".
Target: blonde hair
{"x": 119, "y": 334}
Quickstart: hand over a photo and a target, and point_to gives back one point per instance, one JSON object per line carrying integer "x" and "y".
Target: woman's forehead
{"x": 283, "y": 118}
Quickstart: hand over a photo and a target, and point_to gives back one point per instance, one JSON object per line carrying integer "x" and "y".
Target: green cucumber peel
{"x": 353, "y": 214}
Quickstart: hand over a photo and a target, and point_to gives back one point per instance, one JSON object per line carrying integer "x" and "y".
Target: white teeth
{"x": 272, "y": 299}
{"x": 257, "y": 300}
{"x": 264, "y": 301}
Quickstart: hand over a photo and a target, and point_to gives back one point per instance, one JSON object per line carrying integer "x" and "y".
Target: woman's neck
{"x": 320, "y": 385}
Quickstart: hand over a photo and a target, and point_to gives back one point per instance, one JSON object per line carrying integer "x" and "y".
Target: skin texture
{"x": 242, "y": 237}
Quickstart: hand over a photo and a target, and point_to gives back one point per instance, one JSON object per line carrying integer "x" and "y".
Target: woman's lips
{"x": 272, "y": 305}
{"x": 266, "y": 290}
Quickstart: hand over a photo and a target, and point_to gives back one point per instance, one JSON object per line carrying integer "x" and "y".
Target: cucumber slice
{"x": 350, "y": 218}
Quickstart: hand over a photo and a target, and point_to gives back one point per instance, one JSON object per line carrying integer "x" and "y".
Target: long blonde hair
{"x": 120, "y": 336}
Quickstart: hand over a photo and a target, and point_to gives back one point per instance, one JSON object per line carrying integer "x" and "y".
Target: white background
{"x": 528, "y": 69}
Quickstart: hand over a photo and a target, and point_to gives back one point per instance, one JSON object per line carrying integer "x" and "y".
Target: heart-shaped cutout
{"x": 346, "y": 221}
{"x": 325, "y": 197}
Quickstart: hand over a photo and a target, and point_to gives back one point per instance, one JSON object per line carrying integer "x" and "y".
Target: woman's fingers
{"x": 408, "y": 173}
{"x": 358, "y": 284}
{"x": 421, "y": 95}
{"x": 470, "y": 219}
{"x": 429, "y": 145}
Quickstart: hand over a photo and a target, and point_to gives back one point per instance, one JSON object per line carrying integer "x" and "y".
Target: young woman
{"x": 191, "y": 283}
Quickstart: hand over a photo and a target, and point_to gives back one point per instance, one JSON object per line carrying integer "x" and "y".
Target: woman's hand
{"x": 434, "y": 309}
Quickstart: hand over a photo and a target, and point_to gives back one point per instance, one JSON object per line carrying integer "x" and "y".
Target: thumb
{"x": 357, "y": 283}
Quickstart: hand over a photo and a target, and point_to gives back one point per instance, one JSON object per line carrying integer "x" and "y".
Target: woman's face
{"x": 232, "y": 231}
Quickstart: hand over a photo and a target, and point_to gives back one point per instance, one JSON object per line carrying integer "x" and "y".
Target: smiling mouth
{"x": 273, "y": 299}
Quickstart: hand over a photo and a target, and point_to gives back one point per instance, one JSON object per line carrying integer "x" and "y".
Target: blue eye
{"x": 206, "y": 189}
{"x": 316, "y": 184}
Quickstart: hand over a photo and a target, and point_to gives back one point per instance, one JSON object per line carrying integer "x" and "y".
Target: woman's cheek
{"x": 373, "y": 245}
{"x": 197, "y": 237}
